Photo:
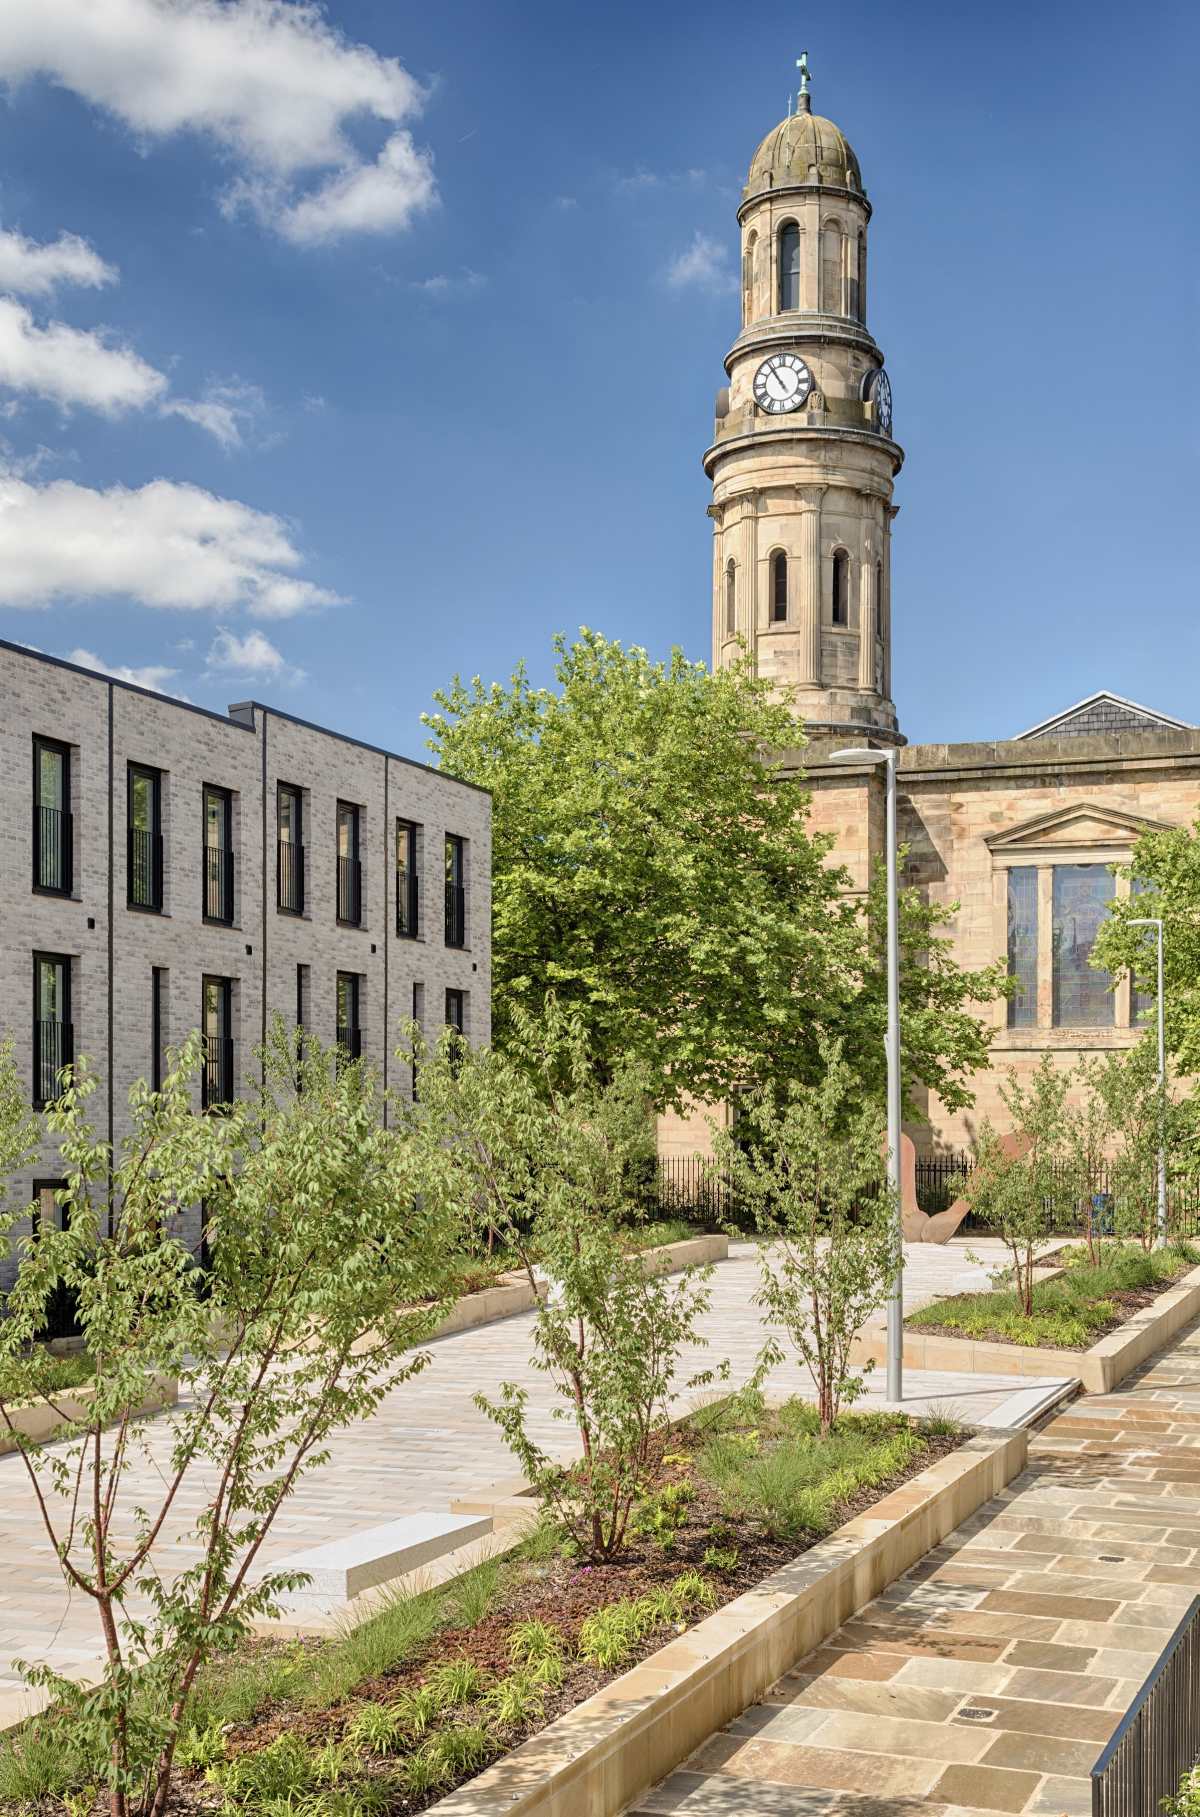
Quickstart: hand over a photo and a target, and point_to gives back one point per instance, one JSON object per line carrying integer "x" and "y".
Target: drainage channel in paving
{"x": 990, "y": 1676}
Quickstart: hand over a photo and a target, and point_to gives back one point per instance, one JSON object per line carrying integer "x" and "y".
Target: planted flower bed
{"x": 428, "y": 1692}
{"x": 1070, "y": 1311}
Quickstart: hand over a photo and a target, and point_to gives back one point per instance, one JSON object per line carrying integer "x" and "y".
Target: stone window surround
{"x": 1009, "y": 851}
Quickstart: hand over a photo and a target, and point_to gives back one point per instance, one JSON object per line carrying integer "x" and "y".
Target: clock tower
{"x": 802, "y": 460}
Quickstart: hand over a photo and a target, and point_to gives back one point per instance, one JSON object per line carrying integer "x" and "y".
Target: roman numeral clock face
{"x": 782, "y": 383}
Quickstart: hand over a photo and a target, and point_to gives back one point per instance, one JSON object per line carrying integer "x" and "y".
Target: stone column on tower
{"x": 867, "y": 619}
{"x": 808, "y": 501}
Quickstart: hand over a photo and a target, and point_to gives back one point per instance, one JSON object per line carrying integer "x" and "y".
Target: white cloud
{"x": 252, "y": 655}
{"x": 162, "y": 544}
{"x": 72, "y": 366}
{"x": 34, "y": 270}
{"x": 226, "y": 411}
{"x": 270, "y": 82}
{"x": 366, "y": 198}
{"x": 442, "y": 284}
{"x": 705, "y": 264}
{"x": 152, "y": 675}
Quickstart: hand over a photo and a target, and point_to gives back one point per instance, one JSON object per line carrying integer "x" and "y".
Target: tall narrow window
{"x": 730, "y": 599}
{"x": 52, "y": 816}
{"x": 831, "y": 269}
{"x": 216, "y": 1086}
{"x": 218, "y": 854}
{"x": 302, "y": 997}
{"x": 144, "y": 880}
{"x": 53, "y": 1034}
{"x": 289, "y": 810}
{"x": 456, "y": 892}
{"x": 841, "y": 588}
{"x": 456, "y": 1023}
{"x": 789, "y": 266}
{"x": 349, "y": 1028}
{"x": 408, "y": 901}
{"x": 159, "y": 1033}
{"x": 748, "y": 263}
{"x": 349, "y": 878}
{"x": 1082, "y": 997}
{"x": 418, "y": 1016}
{"x": 779, "y": 590}
{"x": 1022, "y": 944}
{"x": 62, "y": 1306}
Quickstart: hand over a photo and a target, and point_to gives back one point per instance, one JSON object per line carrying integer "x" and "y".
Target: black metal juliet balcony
{"x": 53, "y": 1048}
{"x": 290, "y": 877}
{"x": 52, "y": 839}
{"x": 350, "y": 1042}
{"x": 456, "y": 915}
{"x": 216, "y": 1084}
{"x": 349, "y": 891}
{"x": 145, "y": 869}
{"x": 218, "y": 884}
{"x": 408, "y": 902}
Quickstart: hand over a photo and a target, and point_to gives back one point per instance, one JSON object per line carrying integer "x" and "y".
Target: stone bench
{"x": 344, "y": 1568}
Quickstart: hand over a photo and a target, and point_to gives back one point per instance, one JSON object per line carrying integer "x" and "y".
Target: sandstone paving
{"x": 426, "y": 1444}
{"x": 990, "y": 1676}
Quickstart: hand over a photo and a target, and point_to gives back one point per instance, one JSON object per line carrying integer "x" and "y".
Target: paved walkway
{"x": 427, "y": 1443}
{"x": 989, "y": 1677}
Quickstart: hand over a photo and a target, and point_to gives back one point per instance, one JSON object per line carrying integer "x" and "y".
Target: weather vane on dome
{"x": 803, "y": 100}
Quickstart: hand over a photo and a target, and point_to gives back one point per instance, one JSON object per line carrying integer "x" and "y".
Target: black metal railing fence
{"x": 349, "y": 891}
{"x": 217, "y": 1082}
{"x": 218, "y": 883}
{"x": 456, "y": 915}
{"x": 52, "y": 842}
{"x": 290, "y": 879}
{"x": 1158, "y": 1739}
{"x": 144, "y": 879}
{"x": 53, "y": 1048}
{"x": 408, "y": 902}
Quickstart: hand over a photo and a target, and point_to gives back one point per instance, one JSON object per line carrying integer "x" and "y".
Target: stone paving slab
{"x": 428, "y": 1443}
{"x": 990, "y": 1676}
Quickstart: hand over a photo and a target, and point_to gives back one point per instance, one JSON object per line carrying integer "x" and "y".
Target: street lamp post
{"x": 895, "y": 1304}
{"x": 1155, "y": 921}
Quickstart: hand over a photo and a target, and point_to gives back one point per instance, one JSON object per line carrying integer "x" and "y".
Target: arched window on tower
{"x": 779, "y": 599}
{"x": 789, "y": 266}
{"x": 831, "y": 269}
{"x": 841, "y": 587}
{"x": 748, "y": 262}
{"x": 730, "y": 598}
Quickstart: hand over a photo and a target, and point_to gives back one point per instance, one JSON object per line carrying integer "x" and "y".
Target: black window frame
{"x": 216, "y": 879}
{"x": 64, "y": 1043}
{"x": 839, "y": 613}
{"x": 789, "y": 241}
{"x": 408, "y": 881}
{"x": 159, "y": 985}
{"x": 62, "y": 1304}
{"x": 456, "y": 891}
{"x": 349, "y": 1034}
{"x": 221, "y": 1064}
{"x": 779, "y": 587}
{"x": 144, "y": 862}
{"x": 289, "y": 885}
{"x": 455, "y": 1022}
{"x": 64, "y": 865}
{"x": 349, "y": 869}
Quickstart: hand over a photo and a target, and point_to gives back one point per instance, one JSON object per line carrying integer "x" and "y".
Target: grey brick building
{"x": 165, "y": 868}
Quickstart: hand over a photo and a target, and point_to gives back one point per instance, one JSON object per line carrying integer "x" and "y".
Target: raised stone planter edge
{"x": 598, "y": 1758}
{"x": 39, "y": 1421}
{"x": 513, "y": 1293}
{"x": 1098, "y": 1369}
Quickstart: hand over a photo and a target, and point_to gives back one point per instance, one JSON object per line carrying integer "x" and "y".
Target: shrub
{"x": 812, "y": 1167}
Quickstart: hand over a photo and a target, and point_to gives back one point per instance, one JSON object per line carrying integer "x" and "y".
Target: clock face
{"x": 881, "y": 395}
{"x": 782, "y": 383}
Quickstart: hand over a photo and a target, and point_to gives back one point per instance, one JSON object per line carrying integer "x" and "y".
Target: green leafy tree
{"x": 1017, "y": 1186}
{"x": 322, "y": 1231}
{"x": 1165, "y": 865}
{"x": 811, "y": 1165}
{"x": 654, "y": 870}
{"x": 550, "y": 1161}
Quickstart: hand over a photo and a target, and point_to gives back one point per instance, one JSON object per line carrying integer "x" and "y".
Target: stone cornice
{"x": 825, "y": 331}
{"x": 755, "y": 198}
{"x": 799, "y": 432}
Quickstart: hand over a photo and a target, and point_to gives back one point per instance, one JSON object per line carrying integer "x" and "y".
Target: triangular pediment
{"x": 1104, "y": 714}
{"x": 1081, "y": 825}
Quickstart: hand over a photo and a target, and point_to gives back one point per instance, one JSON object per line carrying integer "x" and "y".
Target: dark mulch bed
{"x": 1127, "y": 1300}
{"x": 564, "y": 1593}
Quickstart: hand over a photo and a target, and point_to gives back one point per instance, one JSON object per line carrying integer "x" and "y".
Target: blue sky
{"x": 372, "y": 366}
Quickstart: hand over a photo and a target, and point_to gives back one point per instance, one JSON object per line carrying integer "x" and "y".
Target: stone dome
{"x": 805, "y": 148}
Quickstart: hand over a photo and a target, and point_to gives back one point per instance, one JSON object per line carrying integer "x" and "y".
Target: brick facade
{"x": 113, "y": 949}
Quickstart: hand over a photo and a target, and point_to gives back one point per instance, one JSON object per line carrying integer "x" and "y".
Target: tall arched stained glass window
{"x": 789, "y": 266}
{"x": 1082, "y": 997}
{"x": 1022, "y": 944}
{"x": 779, "y": 587}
